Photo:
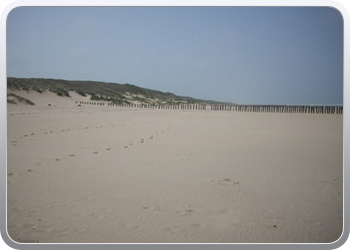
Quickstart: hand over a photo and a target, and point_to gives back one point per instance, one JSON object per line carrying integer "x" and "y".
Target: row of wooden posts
{"x": 316, "y": 109}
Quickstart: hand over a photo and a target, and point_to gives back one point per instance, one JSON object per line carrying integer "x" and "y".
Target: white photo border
{"x": 8, "y": 6}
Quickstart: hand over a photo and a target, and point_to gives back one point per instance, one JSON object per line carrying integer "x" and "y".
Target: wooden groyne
{"x": 310, "y": 109}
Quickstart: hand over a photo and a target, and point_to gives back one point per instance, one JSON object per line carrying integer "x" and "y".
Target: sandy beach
{"x": 99, "y": 174}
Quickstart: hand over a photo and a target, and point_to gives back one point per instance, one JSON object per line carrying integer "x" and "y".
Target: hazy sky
{"x": 261, "y": 55}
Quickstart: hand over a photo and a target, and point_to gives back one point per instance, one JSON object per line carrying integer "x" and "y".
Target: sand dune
{"x": 112, "y": 174}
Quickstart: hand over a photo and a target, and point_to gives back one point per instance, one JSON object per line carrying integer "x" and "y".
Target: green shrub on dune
{"x": 14, "y": 99}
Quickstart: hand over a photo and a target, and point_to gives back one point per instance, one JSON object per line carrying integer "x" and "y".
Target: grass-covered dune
{"x": 102, "y": 91}
{"x": 15, "y": 99}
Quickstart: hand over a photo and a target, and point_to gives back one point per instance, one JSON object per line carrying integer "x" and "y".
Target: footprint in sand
{"x": 72, "y": 155}
{"x": 142, "y": 140}
{"x": 126, "y": 146}
{"x": 151, "y": 137}
{"x": 108, "y": 149}
{"x": 57, "y": 159}
{"x": 188, "y": 211}
{"x": 156, "y": 208}
{"x": 96, "y": 152}
{"x": 225, "y": 181}
{"x": 10, "y": 174}
{"x": 32, "y": 134}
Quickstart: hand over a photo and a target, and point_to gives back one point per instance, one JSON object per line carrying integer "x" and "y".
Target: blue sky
{"x": 245, "y": 55}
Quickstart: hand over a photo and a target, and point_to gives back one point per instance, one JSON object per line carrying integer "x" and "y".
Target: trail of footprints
{"x": 79, "y": 128}
{"x": 61, "y": 131}
{"x": 15, "y": 142}
{"x": 141, "y": 141}
{"x": 131, "y": 144}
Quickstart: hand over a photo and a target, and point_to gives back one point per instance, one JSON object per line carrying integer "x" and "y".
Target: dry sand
{"x": 110, "y": 174}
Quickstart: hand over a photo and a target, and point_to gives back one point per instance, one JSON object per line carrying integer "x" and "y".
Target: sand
{"x": 95, "y": 174}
